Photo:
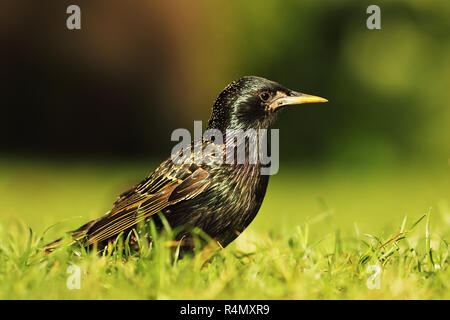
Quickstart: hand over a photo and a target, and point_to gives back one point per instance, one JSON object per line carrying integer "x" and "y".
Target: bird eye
{"x": 264, "y": 96}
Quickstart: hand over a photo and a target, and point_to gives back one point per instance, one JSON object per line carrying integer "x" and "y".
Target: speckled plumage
{"x": 221, "y": 199}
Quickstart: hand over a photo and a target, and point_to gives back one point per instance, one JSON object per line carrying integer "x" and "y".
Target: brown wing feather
{"x": 191, "y": 186}
{"x": 149, "y": 197}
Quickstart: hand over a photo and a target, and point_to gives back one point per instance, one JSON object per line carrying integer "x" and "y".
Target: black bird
{"x": 219, "y": 198}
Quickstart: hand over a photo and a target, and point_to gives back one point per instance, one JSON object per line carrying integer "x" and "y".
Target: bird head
{"x": 253, "y": 103}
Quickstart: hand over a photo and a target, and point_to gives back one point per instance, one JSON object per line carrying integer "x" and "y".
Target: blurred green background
{"x": 86, "y": 114}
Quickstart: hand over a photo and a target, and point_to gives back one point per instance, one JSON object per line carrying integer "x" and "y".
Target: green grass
{"x": 316, "y": 237}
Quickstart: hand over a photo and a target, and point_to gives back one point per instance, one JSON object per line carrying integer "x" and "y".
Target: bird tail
{"x": 76, "y": 234}
{"x": 50, "y": 247}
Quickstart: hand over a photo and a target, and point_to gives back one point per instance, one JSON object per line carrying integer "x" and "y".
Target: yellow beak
{"x": 300, "y": 99}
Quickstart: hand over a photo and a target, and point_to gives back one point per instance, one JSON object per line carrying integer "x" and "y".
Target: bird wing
{"x": 167, "y": 185}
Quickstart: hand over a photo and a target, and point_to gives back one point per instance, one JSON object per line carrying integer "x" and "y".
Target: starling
{"x": 221, "y": 199}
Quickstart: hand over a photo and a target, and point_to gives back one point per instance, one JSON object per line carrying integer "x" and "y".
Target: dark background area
{"x": 136, "y": 71}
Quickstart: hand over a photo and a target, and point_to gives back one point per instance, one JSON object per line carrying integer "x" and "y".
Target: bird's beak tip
{"x": 306, "y": 98}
